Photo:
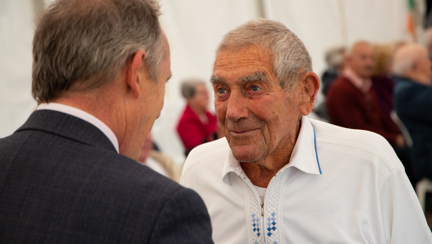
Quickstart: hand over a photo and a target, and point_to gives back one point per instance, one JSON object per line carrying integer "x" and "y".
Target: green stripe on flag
{"x": 411, "y": 5}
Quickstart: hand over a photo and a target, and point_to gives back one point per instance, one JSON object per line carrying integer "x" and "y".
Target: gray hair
{"x": 334, "y": 56}
{"x": 350, "y": 50}
{"x": 82, "y": 44}
{"x": 428, "y": 38}
{"x": 188, "y": 87}
{"x": 402, "y": 66}
{"x": 290, "y": 55}
{"x": 405, "y": 58}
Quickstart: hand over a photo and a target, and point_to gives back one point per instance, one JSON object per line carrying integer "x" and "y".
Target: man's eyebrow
{"x": 216, "y": 80}
{"x": 257, "y": 76}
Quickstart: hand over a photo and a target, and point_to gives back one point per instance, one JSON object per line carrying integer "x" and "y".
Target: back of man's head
{"x": 81, "y": 44}
{"x": 428, "y": 39}
{"x": 412, "y": 61}
{"x": 290, "y": 57}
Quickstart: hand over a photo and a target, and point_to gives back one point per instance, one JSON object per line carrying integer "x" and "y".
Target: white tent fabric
{"x": 325, "y": 23}
{"x": 194, "y": 29}
{"x": 16, "y": 33}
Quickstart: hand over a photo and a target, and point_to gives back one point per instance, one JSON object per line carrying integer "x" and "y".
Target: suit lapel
{"x": 68, "y": 126}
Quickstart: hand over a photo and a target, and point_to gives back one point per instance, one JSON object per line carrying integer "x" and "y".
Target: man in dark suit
{"x": 413, "y": 103}
{"x": 69, "y": 174}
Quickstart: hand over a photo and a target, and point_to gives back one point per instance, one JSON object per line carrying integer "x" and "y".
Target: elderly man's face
{"x": 258, "y": 117}
{"x": 362, "y": 60}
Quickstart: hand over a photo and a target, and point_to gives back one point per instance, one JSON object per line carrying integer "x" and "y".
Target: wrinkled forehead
{"x": 250, "y": 63}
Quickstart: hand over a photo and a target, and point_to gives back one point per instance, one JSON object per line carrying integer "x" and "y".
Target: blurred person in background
{"x": 353, "y": 104}
{"x": 428, "y": 38}
{"x": 382, "y": 81}
{"x": 196, "y": 125}
{"x": 158, "y": 161}
{"x": 334, "y": 58}
{"x": 413, "y": 104}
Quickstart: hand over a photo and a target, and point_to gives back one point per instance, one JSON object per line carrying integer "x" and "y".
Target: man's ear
{"x": 133, "y": 79}
{"x": 309, "y": 89}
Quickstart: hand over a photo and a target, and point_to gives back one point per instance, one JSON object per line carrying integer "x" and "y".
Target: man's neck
{"x": 419, "y": 78}
{"x": 259, "y": 175}
{"x": 197, "y": 109}
{"x": 261, "y": 172}
{"x": 98, "y": 106}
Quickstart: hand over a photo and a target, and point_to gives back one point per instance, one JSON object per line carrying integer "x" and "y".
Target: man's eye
{"x": 255, "y": 88}
{"x": 221, "y": 91}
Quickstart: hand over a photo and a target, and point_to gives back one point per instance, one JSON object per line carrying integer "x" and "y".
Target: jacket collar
{"x": 68, "y": 126}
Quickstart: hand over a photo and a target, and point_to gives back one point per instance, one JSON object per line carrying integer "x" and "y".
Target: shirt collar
{"x": 360, "y": 83}
{"x": 304, "y": 155}
{"x": 84, "y": 116}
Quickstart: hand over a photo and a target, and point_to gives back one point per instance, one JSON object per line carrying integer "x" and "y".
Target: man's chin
{"x": 245, "y": 153}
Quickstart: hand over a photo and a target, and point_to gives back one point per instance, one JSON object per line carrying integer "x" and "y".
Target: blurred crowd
{"x": 385, "y": 88}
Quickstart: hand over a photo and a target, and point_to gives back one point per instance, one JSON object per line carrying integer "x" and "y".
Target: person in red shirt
{"x": 196, "y": 125}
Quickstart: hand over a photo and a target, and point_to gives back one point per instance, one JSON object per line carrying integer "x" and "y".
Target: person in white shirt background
{"x": 159, "y": 161}
{"x": 280, "y": 177}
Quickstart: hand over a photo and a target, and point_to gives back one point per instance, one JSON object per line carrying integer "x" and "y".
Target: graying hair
{"x": 290, "y": 56}
{"x": 334, "y": 56}
{"x": 402, "y": 66}
{"x": 83, "y": 44}
{"x": 350, "y": 50}
{"x": 188, "y": 87}
{"x": 428, "y": 38}
{"x": 405, "y": 58}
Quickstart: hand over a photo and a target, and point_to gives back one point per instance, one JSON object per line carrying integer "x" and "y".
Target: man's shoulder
{"x": 139, "y": 178}
{"x": 355, "y": 142}
{"x": 89, "y": 166}
{"x": 407, "y": 87}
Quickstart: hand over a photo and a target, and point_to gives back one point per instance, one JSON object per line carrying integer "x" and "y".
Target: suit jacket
{"x": 413, "y": 104}
{"x": 62, "y": 181}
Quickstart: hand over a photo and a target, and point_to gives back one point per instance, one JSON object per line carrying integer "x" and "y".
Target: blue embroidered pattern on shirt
{"x": 271, "y": 224}
{"x": 256, "y": 224}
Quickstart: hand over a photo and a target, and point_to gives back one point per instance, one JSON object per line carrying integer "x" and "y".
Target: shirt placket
{"x": 264, "y": 215}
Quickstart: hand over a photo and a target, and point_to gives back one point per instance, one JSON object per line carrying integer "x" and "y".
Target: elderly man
{"x": 413, "y": 103}
{"x": 69, "y": 174}
{"x": 279, "y": 177}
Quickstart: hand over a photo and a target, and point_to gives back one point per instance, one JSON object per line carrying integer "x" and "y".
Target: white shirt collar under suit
{"x": 84, "y": 116}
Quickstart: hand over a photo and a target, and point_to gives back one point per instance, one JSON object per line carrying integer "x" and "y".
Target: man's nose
{"x": 237, "y": 107}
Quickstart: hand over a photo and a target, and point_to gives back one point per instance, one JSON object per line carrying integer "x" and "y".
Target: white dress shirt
{"x": 84, "y": 116}
{"x": 340, "y": 186}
